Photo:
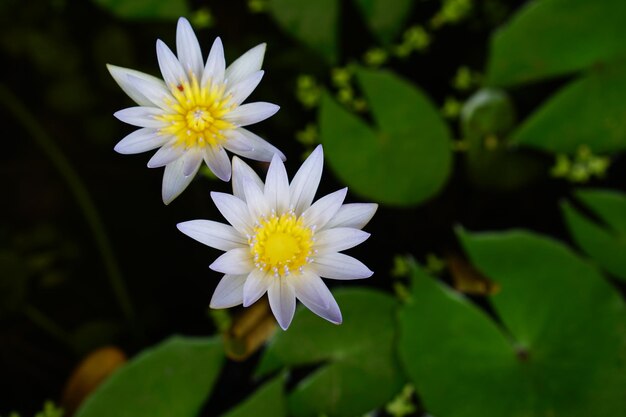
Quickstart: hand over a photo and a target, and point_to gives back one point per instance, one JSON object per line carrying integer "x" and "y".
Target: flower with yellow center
{"x": 195, "y": 112}
{"x": 280, "y": 243}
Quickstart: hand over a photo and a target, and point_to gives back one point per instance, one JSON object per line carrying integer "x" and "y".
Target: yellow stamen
{"x": 281, "y": 244}
{"x": 197, "y": 114}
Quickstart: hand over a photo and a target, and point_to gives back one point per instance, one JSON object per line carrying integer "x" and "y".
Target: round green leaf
{"x": 588, "y": 111}
{"x": 403, "y": 160}
{"x": 561, "y": 351}
{"x": 267, "y": 401}
{"x": 531, "y": 46}
{"x": 605, "y": 245}
{"x": 385, "y": 18}
{"x": 358, "y": 370}
{"x": 145, "y": 9}
{"x": 172, "y": 379}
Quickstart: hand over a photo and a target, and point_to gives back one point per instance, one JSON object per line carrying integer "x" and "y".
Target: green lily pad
{"x": 385, "y": 18}
{"x": 173, "y": 378}
{"x": 357, "y": 366}
{"x": 604, "y": 243}
{"x": 560, "y": 348}
{"x": 588, "y": 111}
{"x": 313, "y": 23}
{"x": 267, "y": 401}
{"x": 531, "y": 46}
{"x": 145, "y": 9}
{"x": 405, "y": 158}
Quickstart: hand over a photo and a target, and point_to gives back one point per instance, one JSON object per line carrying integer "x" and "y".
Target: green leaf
{"x": 531, "y": 46}
{"x": 385, "y": 18}
{"x": 267, "y": 401}
{"x": 405, "y": 159}
{"x": 559, "y": 351}
{"x": 172, "y": 379}
{"x": 604, "y": 244}
{"x": 358, "y": 370}
{"x": 588, "y": 111}
{"x": 313, "y": 23}
{"x": 145, "y": 9}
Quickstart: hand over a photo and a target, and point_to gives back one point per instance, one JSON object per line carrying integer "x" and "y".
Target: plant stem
{"x": 44, "y": 322}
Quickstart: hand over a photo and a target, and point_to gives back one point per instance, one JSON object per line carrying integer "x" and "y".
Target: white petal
{"x": 174, "y": 182}
{"x": 338, "y": 239}
{"x": 167, "y": 154}
{"x": 234, "y": 210}
{"x": 242, "y": 173}
{"x": 255, "y": 199}
{"x": 141, "y": 116}
{"x": 229, "y": 291}
{"x": 188, "y": 49}
{"x": 141, "y": 140}
{"x": 277, "y": 186}
{"x": 245, "y": 87}
{"x": 193, "y": 159}
{"x": 355, "y": 215}
{"x": 173, "y": 72}
{"x": 282, "y": 300}
{"x": 245, "y": 65}
{"x": 256, "y": 285}
{"x": 340, "y": 266}
{"x": 324, "y": 209}
{"x": 251, "y": 113}
{"x": 215, "y": 65}
{"x": 304, "y": 184}
{"x": 245, "y": 143}
{"x": 330, "y": 313}
{"x": 236, "y": 261}
{"x": 310, "y": 287}
{"x": 217, "y": 160}
{"x": 216, "y": 235}
{"x": 156, "y": 93}
{"x": 121, "y": 76}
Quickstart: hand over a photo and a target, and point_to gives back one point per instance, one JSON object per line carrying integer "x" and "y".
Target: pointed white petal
{"x": 141, "y": 116}
{"x": 282, "y": 300}
{"x": 193, "y": 159}
{"x": 324, "y": 209}
{"x": 188, "y": 49}
{"x": 255, "y": 200}
{"x": 277, "y": 186}
{"x": 256, "y": 285}
{"x": 167, "y": 154}
{"x": 245, "y": 65}
{"x": 245, "y": 143}
{"x": 215, "y": 65}
{"x": 304, "y": 184}
{"x": 141, "y": 140}
{"x": 236, "y": 261}
{"x": 340, "y": 266}
{"x": 242, "y": 173}
{"x": 310, "y": 287}
{"x": 332, "y": 313}
{"x": 120, "y": 75}
{"x": 245, "y": 87}
{"x": 251, "y": 113}
{"x": 173, "y": 72}
{"x": 217, "y": 160}
{"x": 216, "y": 235}
{"x": 338, "y": 239}
{"x": 355, "y": 215}
{"x": 234, "y": 210}
{"x": 174, "y": 182}
{"x": 156, "y": 93}
{"x": 229, "y": 291}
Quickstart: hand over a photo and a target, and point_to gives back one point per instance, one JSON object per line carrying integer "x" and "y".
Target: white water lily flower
{"x": 196, "y": 112}
{"x": 280, "y": 243}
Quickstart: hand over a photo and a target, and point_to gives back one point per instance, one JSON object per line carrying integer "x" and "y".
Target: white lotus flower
{"x": 196, "y": 112}
{"x": 280, "y": 243}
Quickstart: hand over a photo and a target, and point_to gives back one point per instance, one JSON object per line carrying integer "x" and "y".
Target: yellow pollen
{"x": 281, "y": 244}
{"x": 196, "y": 117}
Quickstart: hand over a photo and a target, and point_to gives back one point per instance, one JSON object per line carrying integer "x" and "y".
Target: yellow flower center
{"x": 197, "y": 114}
{"x": 281, "y": 244}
